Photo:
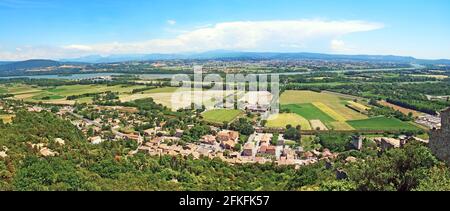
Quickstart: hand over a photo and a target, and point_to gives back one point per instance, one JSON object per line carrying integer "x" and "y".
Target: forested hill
{"x": 29, "y": 64}
{"x": 3, "y": 63}
{"x": 36, "y": 66}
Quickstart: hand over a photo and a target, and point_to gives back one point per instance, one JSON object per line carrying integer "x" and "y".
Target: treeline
{"x": 75, "y": 97}
{"x": 418, "y": 106}
{"x": 3, "y": 96}
{"x": 409, "y": 76}
{"x": 380, "y": 110}
{"x": 57, "y": 82}
{"x": 143, "y": 89}
{"x": 409, "y": 95}
{"x": 412, "y": 96}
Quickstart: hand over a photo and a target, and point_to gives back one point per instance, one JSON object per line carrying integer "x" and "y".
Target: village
{"x": 226, "y": 145}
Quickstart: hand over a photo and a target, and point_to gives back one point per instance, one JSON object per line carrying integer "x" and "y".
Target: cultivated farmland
{"x": 282, "y": 120}
{"x": 326, "y": 101}
{"x": 317, "y": 124}
{"x": 222, "y": 115}
{"x": 309, "y": 111}
{"x": 58, "y": 95}
{"x": 382, "y": 123}
{"x": 327, "y": 107}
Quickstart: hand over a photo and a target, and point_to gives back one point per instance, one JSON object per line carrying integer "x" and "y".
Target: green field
{"x": 18, "y": 89}
{"x": 381, "y": 123}
{"x": 327, "y": 102}
{"x": 330, "y": 108}
{"x": 160, "y": 95}
{"x": 309, "y": 112}
{"x": 282, "y": 120}
{"x": 222, "y": 115}
{"x": 3, "y": 90}
{"x": 58, "y": 95}
{"x": 84, "y": 89}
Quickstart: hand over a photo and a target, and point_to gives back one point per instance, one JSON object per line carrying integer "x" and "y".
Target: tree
{"x": 90, "y": 132}
{"x": 291, "y": 133}
{"x": 263, "y": 123}
{"x": 274, "y": 140}
{"x": 336, "y": 142}
{"x": 395, "y": 170}
{"x": 243, "y": 126}
{"x": 55, "y": 109}
{"x": 309, "y": 175}
{"x": 225, "y": 125}
{"x": 334, "y": 185}
{"x": 438, "y": 179}
{"x": 238, "y": 147}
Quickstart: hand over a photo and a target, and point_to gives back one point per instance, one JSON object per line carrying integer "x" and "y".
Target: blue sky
{"x": 74, "y": 28}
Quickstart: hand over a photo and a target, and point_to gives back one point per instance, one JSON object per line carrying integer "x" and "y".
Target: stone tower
{"x": 440, "y": 139}
{"x": 445, "y": 120}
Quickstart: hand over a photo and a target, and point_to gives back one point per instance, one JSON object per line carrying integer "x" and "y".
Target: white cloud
{"x": 339, "y": 46}
{"x": 172, "y": 22}
{"x": 293, "y": 35}
{"x": 78, "y": 47}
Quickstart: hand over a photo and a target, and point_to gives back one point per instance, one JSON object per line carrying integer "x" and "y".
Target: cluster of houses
{"x": 386, "y": 143}
{"x": 223, "y": 144}
{"x": 430, "y": 121}
{"x": 156, "y": 141}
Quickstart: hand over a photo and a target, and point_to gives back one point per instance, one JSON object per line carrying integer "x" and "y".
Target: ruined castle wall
{"x": 440, "y": 144}
{"x": 445, "y": 121}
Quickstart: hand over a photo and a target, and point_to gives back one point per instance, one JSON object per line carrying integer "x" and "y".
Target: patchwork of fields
{"x": 336, "y": 112}
{"x": 329, "y": 108}
{"x": 311, "y": 110}
{"x": 58, "y": 95}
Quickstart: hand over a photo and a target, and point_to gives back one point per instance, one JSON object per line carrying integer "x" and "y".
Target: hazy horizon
{"x": 51, "y": 29}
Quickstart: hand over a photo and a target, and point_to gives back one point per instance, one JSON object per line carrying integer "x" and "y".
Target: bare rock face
{"x": 440, "y": 139}
{"x": 46, "y": 152}
{"x": 3, "y": 154}
{"x": 60, "y": 141}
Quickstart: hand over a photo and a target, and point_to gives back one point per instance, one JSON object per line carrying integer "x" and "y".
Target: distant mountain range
{"x": 21, "y": 66}
{"x": 231, "y": 55}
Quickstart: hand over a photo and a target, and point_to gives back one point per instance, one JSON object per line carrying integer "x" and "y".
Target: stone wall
{"x": 440, "y": 139}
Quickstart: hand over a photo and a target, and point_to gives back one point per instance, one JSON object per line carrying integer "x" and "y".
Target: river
{"x": 165, "y": 76}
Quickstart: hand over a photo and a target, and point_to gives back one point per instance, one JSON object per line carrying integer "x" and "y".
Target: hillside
{"x": 3, "y": 63}
{"x": 29, "y": 64}
{"x": 21, "y": 67}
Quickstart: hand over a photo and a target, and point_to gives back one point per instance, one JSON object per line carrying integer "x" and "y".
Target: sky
{"x": 56, "y": 29}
